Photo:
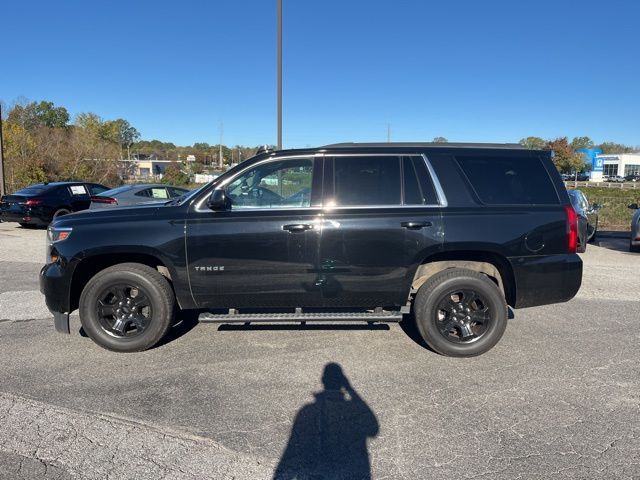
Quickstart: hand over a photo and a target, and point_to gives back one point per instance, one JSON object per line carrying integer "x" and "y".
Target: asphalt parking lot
{"x": 559, "y": 397}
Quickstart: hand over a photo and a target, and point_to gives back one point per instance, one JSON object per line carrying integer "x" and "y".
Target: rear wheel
{"x": 127, "y": 307}
{"x": 460, "y": 313}
{"x": 60, "y": 213}
{"x": 634, "y": 248}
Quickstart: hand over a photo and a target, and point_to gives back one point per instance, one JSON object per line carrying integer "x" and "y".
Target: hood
{"x": 117, "y": 214}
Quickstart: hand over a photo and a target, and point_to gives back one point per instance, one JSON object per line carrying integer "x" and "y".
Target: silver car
{"x": 634, "y": 243}
{"x": 135, "y": 194}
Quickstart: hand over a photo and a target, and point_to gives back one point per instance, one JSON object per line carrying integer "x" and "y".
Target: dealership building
{"x": 611, "y": 164}
{"x": 621, "y": 164}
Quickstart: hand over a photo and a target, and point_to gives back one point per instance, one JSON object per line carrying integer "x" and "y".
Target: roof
{"x": 509, "y": 146}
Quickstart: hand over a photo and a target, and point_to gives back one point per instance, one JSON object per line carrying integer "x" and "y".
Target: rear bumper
{"x": 21, "y": 218}
{"x": 542, "y": 280}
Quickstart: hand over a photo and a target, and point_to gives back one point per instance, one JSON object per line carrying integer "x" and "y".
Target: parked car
{"x": 44, "y": 202}
{"x": 136, "y": 194}
{"x": 615, "y": 179}
{"x": 632, "y": 178}
{"x": 443, "y": 235}
{"x": 634, "y": 242}
{"x": 587, "y": 218}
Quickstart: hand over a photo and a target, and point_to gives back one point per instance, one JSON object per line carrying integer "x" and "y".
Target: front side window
{"x": 364, "y": 180}
{"x": 277, "y": 184}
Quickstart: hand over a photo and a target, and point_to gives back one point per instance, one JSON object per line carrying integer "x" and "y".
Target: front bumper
{"x": 55, "y": 285}
{"x": 542, "y": 280}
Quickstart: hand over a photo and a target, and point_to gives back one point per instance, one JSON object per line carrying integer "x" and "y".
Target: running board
{"x": 384, "y": 316}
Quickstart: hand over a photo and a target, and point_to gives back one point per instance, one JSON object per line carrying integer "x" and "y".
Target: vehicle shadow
{"x": 299, "y": 326}
{"x": 410, "y": 329}
{"x": 613, "y": 240}
{"x": 329, "y": 435}
{"x": 185, "y": 322}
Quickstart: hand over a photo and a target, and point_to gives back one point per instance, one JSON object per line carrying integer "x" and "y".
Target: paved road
{"x": 558, "y": 397}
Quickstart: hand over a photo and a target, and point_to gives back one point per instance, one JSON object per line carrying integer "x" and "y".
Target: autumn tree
{"x": 565, "y": 158}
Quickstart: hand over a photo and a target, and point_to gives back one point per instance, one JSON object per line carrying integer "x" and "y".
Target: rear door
{"x": 77, "y": 195}
{"x": 382, "y": 217}
{"x": 263, "y": 251}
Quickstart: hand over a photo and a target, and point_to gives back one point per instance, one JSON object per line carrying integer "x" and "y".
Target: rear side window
{"x": 427, "y": 190}
{"x": 363, "y": 180}
{"x": 509, "y": 180}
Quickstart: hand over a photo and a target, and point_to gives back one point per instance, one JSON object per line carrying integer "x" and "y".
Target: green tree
{"x": 612, "y": 147}
{"x": 121, "y": 132}
{"x": 581, "y": 142}
{"x": 533, "y": 143}
{"x": 43, "y": 114}
{"x": 174, "y": 175}
{"x": 440, "y": 140}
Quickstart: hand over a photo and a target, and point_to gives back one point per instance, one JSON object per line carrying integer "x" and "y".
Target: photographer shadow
{"x": 329, "y": 435}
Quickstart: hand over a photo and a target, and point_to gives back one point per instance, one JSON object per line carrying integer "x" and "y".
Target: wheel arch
{"x": 91, "y": 265}
{"x": 494, "y": 265}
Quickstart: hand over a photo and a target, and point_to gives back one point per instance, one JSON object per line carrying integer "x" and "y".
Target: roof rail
{"x": 425, "y": 144}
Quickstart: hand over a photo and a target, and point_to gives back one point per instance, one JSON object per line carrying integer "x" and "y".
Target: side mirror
{"x": 633, "y": 206}
{"x": 218, "y": 200}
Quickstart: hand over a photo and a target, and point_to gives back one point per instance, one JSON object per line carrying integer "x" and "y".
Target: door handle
{"x": 415, "y": 225}
{"x": 297, "y": 227}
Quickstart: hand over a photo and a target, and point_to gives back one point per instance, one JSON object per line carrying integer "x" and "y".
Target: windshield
{"x": 187, "y": 196}
{"x": 116, "y": 191}
{"x": 30, "y": 191}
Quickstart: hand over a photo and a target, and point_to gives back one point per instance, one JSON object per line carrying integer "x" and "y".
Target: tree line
{"x": 42, "y": 143}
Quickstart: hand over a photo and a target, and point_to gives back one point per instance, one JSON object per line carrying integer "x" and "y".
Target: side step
{"x": 378, "y": 316}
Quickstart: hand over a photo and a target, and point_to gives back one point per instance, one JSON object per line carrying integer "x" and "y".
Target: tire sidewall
{"x": 161, "y": 311}
{"x": 426, "y": 320}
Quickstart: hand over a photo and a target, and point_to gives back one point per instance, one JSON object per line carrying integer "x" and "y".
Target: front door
{"x": 263, "y": 251}
{"x": 384, "y": 219}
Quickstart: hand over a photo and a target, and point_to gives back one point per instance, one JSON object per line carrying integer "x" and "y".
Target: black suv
{"x": 42, "y": 203}
{"x": 447, "y": 236}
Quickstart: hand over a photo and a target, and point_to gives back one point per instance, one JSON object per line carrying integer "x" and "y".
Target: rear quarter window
{"x": 509, "y": 180}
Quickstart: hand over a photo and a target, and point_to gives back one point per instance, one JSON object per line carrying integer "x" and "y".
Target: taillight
{"x": 31, "y": 203}
{"x": 572, "y": 229}
{"x": 109, "y": 200}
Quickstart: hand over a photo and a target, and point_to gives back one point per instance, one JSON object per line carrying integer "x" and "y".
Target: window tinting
{"x": 363, "y": 181}
{"x": 426, "y": 184}
{"x": 97, "y": 189}
{"x": 412, "y": 193}
{"x": 509, "y": 181}
{"x": 277, "y": 184}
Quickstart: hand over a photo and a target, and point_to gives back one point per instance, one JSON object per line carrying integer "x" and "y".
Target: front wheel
{"x": 127, "y": 307}
{"x": 460, "y": 313}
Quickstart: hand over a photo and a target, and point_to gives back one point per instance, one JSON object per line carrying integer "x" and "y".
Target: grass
{"x": 614, "y": 214}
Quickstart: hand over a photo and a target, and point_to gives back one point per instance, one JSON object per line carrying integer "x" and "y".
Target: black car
{"x": 587, "y": 218}
{"x": 42, "y": 203}
{"x": 443, "y": 235}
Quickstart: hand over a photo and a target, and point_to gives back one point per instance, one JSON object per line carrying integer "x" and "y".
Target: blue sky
{"x": 467, "y": 70}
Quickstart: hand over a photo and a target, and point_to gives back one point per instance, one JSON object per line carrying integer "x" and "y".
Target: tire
{"x": 634, "y": 248}
{"x": 150, "y": 323}
{"x": 594, "y": 234}
{"x": 445, "y": 289}
{"x": 59, "y": 213}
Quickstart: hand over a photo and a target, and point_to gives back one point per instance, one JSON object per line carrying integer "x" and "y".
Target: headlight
{"x": 55, "y": 235}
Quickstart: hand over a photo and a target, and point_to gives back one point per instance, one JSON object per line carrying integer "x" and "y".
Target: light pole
{"x": 279, "y": 69}
{"x": 3, "y": 189}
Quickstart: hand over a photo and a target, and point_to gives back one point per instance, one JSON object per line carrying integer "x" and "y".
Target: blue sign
{"x": 590, "y": 154}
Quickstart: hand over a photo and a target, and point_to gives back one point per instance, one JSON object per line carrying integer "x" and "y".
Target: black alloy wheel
{"x": 124, "y": 310}
{"x": 127, "y": 307}
{"x": 460, "y": 312}
{"x": 464, "y": 316}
